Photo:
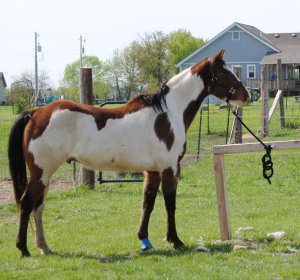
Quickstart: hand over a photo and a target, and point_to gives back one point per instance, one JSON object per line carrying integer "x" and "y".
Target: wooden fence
{"x": 220, "y": 178}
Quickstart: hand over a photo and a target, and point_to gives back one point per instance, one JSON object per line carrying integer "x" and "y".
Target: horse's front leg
{"x": 151, "y": 184}
{"x": 169, "y": 185}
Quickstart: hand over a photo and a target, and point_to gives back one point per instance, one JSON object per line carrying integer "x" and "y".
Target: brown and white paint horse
{"x": 146, "y": 134}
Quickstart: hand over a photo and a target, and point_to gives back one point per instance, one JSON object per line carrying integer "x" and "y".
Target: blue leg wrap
{"x": 146, "y": 244}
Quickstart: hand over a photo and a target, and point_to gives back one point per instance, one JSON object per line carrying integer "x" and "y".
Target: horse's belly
{"x": 113, "y": 159}
{"x": 125, "y": 144}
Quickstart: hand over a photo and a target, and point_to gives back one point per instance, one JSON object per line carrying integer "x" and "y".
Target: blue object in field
{"x": 146, "y": 244}
{"x": 50, "y": 99}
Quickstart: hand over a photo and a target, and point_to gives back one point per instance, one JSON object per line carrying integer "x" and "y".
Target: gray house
{"x": 247, "y": 48}
{"x": 2, "y": 88}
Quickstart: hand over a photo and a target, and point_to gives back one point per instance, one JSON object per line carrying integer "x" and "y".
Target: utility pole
{"x": 81, "y": 51}
{"x": 37, "y": 48}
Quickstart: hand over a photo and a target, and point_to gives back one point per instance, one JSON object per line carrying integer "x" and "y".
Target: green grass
{"x": 6, "y": 120}
{"x": 93, "y": 233}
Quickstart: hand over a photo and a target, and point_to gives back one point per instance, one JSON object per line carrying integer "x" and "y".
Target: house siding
{"x": 246, "y": 51}
{"x": 253, "y": 47}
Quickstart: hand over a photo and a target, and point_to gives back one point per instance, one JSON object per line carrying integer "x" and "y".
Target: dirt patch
{"x": 247, "y": 137}
{"x": 7, "y": 193}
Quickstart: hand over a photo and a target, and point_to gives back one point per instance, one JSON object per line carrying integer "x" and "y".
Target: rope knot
{"x": 268, "y": 170}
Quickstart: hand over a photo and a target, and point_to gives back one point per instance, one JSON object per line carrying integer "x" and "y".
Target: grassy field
{"x": 93, "y": 233}
{"x": 6, "y": 120}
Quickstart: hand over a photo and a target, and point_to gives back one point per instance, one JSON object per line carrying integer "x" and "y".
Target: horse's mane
{"x": 157, "y": 100}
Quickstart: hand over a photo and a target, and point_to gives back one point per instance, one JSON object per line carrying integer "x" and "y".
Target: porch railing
{"x": 290, "y": 85}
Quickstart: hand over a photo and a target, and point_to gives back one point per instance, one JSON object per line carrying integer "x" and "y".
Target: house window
{"x": 237, "y": 70}
{"x": 293, "y": 72}
{"x": 251, "y": 70}
{"x": 235, "y": 35}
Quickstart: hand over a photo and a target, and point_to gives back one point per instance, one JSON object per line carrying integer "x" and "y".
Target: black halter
{"x": 217, "y": 82}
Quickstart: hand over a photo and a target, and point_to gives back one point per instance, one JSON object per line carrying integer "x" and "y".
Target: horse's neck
{"x": 185, "y": 96}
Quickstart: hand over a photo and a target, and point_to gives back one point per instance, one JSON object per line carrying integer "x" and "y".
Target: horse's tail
{"x": 17, "y": 165}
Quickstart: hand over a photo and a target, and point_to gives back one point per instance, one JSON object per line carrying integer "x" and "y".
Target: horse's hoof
{"x": 46, "y": 251}
{"x": 146, "y": 244}
{"x": 179, "y": 245}
{"x": 25, "y": 253}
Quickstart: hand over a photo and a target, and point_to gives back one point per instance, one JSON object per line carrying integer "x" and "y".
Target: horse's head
{"x": 224, "y": 84}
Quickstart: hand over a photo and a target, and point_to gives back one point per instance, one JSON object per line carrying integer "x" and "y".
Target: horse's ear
{"x": 221, "y": 54}
{"x": 218, "y": 57}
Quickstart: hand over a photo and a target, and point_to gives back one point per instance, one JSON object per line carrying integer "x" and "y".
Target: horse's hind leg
{"x": 25, "y": 210}
{"x": 40, "y": 238}
{"x": 32, "y": 199}
{"x": 151, "y": 184}
{"x": 169, "y": 185}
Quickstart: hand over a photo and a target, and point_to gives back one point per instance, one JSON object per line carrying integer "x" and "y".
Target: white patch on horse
{"x": 184, "y": 88}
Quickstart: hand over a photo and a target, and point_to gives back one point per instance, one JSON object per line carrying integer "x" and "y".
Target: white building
{"x": 2, "y": 88}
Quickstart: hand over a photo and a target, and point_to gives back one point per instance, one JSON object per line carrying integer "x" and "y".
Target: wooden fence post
{"x": 222, "y": 197}
{"x": 220, "y": 177}
{"x": 280, "y": 87}
{"x": 86, "y": 97}
{"x": 264, "y": 131}
{"x": 238, "y": 135}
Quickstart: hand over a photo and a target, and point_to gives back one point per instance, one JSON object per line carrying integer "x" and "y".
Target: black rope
{"x": 268, "y": 170}
{"x": 227, "y": 128}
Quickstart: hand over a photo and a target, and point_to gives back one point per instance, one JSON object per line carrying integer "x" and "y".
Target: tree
{"x": 182, "y": 43}
{"x": 159, "y": 53}
{"x": 22, "y": 94}
{"x": 136, "y": 78}
{"x": 69, "y": 85}
{"x": 23, "y": 89}
{"x": 124, "y": 72}
{"x": 149, "y": 62}
{"x": 154, "y": 60}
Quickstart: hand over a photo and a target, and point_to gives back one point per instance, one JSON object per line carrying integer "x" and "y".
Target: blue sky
{"x": 113, "y": 24}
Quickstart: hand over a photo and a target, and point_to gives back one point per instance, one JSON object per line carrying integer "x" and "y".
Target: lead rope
{"x": 268, "y": 170}
{"x": 227, "y": 128}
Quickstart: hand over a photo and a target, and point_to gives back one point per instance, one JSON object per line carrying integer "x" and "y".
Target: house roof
{"x": 283, "y": 45}
{"x": 3, "y": 79}
{"x": 257, "y": 34}
{"x": 289, "y": 46}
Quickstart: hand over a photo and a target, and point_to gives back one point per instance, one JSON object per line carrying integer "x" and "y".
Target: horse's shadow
{"x": 122, "y": 257}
